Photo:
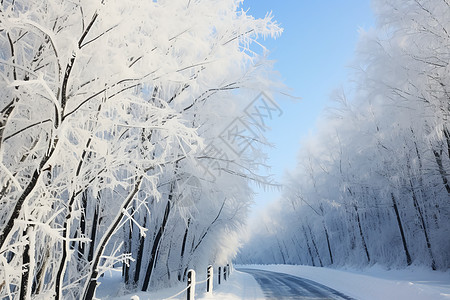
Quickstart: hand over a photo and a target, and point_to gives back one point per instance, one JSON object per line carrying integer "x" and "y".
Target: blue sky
{"x": 313, "y": 56}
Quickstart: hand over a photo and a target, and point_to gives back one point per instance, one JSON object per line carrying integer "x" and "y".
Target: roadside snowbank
{"x": 238, "y": 286}
{"x": 375, "y": 283}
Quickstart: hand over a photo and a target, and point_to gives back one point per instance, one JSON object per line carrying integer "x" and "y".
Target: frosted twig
{"x": 10, "y": 175}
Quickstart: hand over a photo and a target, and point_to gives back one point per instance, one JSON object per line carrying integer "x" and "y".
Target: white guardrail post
{"x": 191, "y": 282}
{"x": 191, "y": 285}
{"x": 225, "y": 273}
{"x": 209, "y": 280}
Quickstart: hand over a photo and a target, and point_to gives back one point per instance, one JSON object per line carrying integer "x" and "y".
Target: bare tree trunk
{"x": 128, "y": 233}
{"x": 183, "y": 248}
{"x": 424, "y": 226}
{"x": 156, "y": 242}
{"x": 308, "y": 246}
{"x": 167, "y": 261}
{"x": 40, "y": 274}
{"x": 363, "y": 240}
{"x": 82, "y": 245}
{"x": 447, "y": 138}
{"x": 315, "y": 246}
{"x": 438, "y": 158}
{"x": 26, "y": 266}
{"x": 328, "y": 243}
{"x": 140, "y": 254}
{"x": 93, "y": 235}
{"x": 400, "y": 227}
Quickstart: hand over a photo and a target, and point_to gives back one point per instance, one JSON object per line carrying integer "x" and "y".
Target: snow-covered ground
{"x": 413, "y": 283}
{"x": 238, "y": 286}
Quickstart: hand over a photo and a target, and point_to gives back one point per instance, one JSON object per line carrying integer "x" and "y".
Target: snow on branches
{"x": 106, "y": 107}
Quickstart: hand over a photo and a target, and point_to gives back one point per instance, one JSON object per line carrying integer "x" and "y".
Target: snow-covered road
{"x": 283, "y": 286}
{"x": 374, "y": 283}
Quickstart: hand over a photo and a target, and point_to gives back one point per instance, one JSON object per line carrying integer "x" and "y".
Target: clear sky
{"x": 313, "y": 56}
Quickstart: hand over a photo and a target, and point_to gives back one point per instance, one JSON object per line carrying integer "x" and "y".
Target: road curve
{"x": 283, "y": 286}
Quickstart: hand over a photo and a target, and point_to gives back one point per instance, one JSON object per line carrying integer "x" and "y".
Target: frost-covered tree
{"x": 107, "y": 108}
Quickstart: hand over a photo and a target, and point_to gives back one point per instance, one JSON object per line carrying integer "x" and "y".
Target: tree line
{"x": 372, "y": 186}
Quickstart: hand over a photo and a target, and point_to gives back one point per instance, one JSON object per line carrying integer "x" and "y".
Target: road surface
{"x": 283, "y": 286}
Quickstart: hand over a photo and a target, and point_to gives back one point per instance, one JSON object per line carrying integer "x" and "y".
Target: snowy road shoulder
{"x": 375, "y": 283}
{"x": 238, "y": 286}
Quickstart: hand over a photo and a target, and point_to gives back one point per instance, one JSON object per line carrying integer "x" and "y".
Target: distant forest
{"x": 372, "y": 186}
